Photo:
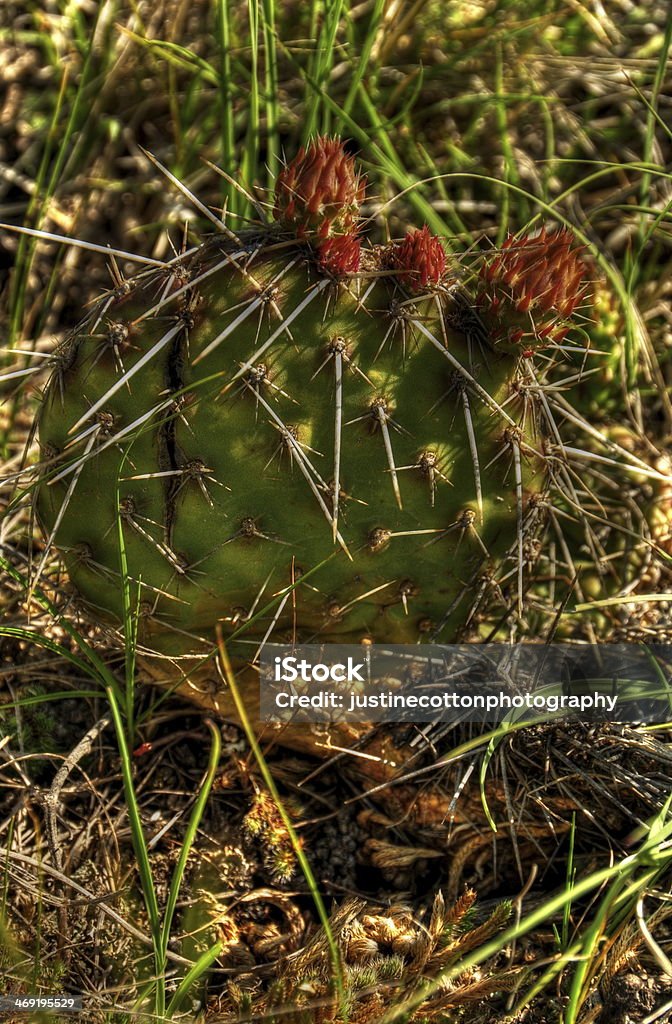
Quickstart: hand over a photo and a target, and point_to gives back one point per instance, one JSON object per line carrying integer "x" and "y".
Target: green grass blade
{"x": 34, "y": 216}
{"x": 652, "y": 116}
{"x": 287, "y": 821}
{"x": 361, "y": 64}
{"x": 250, "y": 168}
{"x": 140, "y": 847}
{"x": 271, "y": 97}
{"x": 318, "y": 114}
{"x": 201, "y": 967}
{"x": 230, "y": 195}
{"x": 190, "y": 834}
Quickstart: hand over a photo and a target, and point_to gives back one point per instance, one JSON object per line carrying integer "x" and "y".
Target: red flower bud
{"x": 420, "y": 260}
{"x": 340, "y": 255}
{"x": 320, "y": 191}
{"x": 531, "y": 287}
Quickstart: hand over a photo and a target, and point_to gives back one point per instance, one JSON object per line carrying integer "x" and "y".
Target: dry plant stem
{"x": 51, "y": 802}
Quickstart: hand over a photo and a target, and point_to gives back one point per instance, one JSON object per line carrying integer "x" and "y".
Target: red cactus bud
{"x": 339, "y": 255}
{"x": 531, "y": 287}
{"x": 420, "y": 260}
{"x": 320, "y": 191}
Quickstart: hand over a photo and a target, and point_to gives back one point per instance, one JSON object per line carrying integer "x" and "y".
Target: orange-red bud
{"x": 319, "y": 193}
{"x": 339, "y": 255}
{"x": 419, "y": 259}
{"x": 531, "y": 287}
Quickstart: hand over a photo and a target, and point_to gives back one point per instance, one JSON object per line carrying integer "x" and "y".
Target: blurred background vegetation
{"x": 482, "y": 114}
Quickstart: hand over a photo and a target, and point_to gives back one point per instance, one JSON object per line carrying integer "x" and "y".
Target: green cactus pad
{"x": 206, "y": 411}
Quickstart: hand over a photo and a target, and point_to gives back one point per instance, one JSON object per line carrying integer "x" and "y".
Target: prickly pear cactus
{"x": 293, "y": 432}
